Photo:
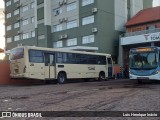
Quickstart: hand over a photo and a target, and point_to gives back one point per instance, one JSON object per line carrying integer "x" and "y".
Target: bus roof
{"x": 62, "y": 50}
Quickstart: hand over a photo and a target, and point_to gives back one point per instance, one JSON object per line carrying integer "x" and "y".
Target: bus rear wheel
{"x": 101, "y": 76}
{"x": 61, "y": 79}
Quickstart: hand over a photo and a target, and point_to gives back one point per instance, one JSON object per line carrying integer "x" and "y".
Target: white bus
{"x": 49, "y": 64}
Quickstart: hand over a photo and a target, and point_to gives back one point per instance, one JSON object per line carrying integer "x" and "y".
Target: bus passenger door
{"x": 49, "y": 66}
{"x": 110, "y": 67}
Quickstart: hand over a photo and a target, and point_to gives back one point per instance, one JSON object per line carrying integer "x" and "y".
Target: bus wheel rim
{"x": 61, "y": 78}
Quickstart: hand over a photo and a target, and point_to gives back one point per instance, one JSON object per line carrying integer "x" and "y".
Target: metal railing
{"x": 141, "y": 32}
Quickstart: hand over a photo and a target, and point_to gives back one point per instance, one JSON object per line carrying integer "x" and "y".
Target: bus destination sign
{"x": 144, "y": 49}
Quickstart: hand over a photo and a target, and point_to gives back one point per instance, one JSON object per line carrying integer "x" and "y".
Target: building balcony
{"x": 146, "y": 36}
{"x": 141, "y": 32}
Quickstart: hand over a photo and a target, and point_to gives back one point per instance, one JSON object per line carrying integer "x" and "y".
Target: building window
{"x": 57, "y": 11}
{"x": 9, "y": 40}
{"x": 88, "y": 39}
{"x": 57, "y": 44}
{"x": 88, "y": 20}
{"x": 87, "y": 2}
{"x": 8, "y": 3}
{"x": 150, "y": 27}
{"x": 57, "y": 28}
{"x": 71, "y": 6}
{"x": 8, "y": 15}
{"x": 72, "y": 24}
{"x": 25, "y": 35}
{"x": 16, "y": 25}
{"x": 33, "y": 33}
{"x": 16, "y": 12}
{"x": 25, "y": 8}
{"x": 9, "y": 27}
{"x": 16, "y": 1}
{"x": 17, "y": 38}
{"x": 32, "y": 19}
{"x": 32, "y": 5}
{"x": 25, "y": 22}
{"x": 72, "y": 42}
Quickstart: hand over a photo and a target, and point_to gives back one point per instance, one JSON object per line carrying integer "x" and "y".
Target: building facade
{"x": 2, "y": 43}
{"x": 142, "y": 30}
{"x": 90, "y": 25}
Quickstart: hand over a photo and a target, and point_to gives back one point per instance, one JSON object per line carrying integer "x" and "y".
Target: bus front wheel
{"x": 101, "y": 76}
{"x": 139, "y": 81}
{"x": 61, "y": 79}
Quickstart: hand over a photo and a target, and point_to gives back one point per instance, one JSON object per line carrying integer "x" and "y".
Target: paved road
{"x": 112, "y": 95}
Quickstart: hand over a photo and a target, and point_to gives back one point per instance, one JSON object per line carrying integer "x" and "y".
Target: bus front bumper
{"x": 151, "y": 77}
{"x": 18, "y": 76}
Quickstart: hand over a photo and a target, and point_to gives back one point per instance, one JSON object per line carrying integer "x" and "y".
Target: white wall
{"x": 136, "y": 6}
{"x": 120, "y": 14}
{"x": 2, "y": 30}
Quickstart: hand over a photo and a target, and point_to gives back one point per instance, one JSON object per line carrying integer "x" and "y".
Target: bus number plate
{"x": 142, "y": 78}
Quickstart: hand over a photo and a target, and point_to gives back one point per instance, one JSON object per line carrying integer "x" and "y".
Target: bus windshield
{"x": 143, "y": 60}
{"x": 17, "y": 53}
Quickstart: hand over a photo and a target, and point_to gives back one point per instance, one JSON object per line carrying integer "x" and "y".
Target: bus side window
{"x": 49, "y": 59}
{"x": 36, "y": 56}
{"x": 102, "y": 60}
{"x": 92, "y": 59}
{"x": 46, "y": 59}
{"x": 71, "y": 58}
{"x": 52, "y": 59}
{"x": 59, "y": 57}
{"x": 109, "y": 60}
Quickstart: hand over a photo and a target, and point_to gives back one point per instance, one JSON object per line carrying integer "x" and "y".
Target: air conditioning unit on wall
{"x": 65, "y": 19}
{"x": 94, "y": 30}
{"x": 60, "y": 3}
{"x": 61, "y": 20}
{"x": 65, "y": 36}
{"x": 19, "y": 5}
{"x": 18, "y": 18}
{"x": 19, "y": 32}
{"x": 64, "y": 1}
{"x": 94, "y": 10}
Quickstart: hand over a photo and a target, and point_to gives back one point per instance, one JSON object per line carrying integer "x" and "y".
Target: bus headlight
{"x": 130, "y": 72}
{"x": 158, "y": 72}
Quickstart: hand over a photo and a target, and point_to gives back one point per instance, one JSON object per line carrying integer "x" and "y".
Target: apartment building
{"x": 2, "y": 28}
{"x": 90, "y": 25}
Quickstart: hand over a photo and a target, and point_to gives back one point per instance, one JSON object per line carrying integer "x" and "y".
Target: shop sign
{"x": 152, "y": 37}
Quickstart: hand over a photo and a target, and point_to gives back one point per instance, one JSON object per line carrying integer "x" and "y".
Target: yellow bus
{"x": 54, "y": 64}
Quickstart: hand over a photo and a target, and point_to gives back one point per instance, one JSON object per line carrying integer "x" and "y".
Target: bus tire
{"x": 139, "y": 81}
{"x": 101, "y": 76}
{"x": 61, "y": 79}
